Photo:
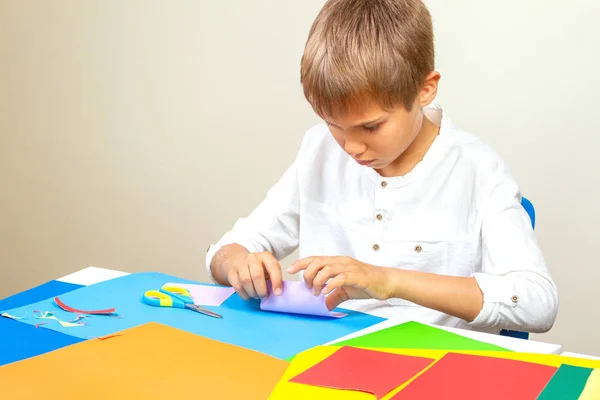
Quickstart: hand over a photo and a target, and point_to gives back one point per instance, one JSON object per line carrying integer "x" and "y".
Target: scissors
{"x": 174, "y": 296}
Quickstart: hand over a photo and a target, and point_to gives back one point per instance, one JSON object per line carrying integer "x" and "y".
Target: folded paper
{"x": 363, "y": 370}
{"x": 297, "y": 298}
{"x": 206, "y": 295}
{"x": 151, "y": 361}
{"x": 278, "y": 334}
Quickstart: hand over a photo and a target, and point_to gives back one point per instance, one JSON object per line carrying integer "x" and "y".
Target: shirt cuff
{"x": 497, "y": 292}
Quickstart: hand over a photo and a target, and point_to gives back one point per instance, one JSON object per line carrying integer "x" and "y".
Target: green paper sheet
{"x": 413, "y": 335}
{"x": 566, "y": 384}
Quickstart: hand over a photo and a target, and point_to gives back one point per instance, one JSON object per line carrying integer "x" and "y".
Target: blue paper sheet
{"x": 38, "y": 293}
{"x": 243, "y": 323}
{"x": 20, "y": 341}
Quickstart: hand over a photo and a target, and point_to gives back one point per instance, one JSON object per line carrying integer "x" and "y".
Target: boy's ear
{"x": 429, "y": 89}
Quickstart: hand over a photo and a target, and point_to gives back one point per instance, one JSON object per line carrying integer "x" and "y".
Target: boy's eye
{"x": 371, "y": 128}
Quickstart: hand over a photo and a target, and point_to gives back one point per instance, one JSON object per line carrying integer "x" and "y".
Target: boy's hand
{"x": 350, "y": 279}
{"x": 249, "y": 278}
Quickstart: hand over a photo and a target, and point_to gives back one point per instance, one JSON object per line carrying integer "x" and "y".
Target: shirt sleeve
{"x": 272, "y": 226}
{"x": 518, "y": 291}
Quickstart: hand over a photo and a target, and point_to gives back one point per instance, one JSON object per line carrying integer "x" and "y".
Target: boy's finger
{"x": 257, "y": 273}
{"x": 336, "y": 298}
{"x": 274, "y": 271}
{"x": 313, "y": 269}
{"x": 324, "y": 274}
{"x": 299, "y": 265}
{"x": 246, "y": 281}
{"x": 235, "y": 283}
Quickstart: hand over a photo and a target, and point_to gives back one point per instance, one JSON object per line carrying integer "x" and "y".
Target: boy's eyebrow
{"x": 374, "y": 121}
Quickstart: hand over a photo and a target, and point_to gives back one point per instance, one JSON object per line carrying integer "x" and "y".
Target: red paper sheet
{"x": 469, "y": 377}
{"x": 363, "y": 370}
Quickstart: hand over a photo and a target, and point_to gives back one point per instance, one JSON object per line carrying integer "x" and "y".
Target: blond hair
{"x": 367, "y": 49}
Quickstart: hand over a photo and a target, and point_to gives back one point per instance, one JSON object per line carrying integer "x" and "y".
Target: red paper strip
{"x": 73, "y": 310}
{"x": 363, "y": 370}
{"x": 469, "y": 377}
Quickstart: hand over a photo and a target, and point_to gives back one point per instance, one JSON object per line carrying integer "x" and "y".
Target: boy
{"x": 400, "y": 212}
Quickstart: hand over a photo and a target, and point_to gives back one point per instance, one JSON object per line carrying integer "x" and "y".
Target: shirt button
{"x": 379, "y": 217}
{"x": 383, "y": 184}
{"x": 375, "y": 247}
{"x": 418, "y": 248}
{"x": 515, "y": 299}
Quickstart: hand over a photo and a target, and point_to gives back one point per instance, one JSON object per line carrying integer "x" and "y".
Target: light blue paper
{"x": 243, "y": 323}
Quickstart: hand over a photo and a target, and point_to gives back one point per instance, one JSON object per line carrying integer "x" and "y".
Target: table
{"x": 91, "y": 275}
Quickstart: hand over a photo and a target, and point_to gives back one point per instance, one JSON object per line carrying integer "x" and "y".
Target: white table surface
{"x": 91, "y": 275}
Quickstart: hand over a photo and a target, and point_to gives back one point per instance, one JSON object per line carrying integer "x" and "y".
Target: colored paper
{"x": 151, "y": 361}
{"x": 297, "y": 298}
{"x": 566, "y": 384}
{"x": 368, "y": 371}
{"x": 243, "y": 323}
{"x": 466, "y": 377}
{"x": 592, "y": 387}
{"x": 286, "y": 390}
{"x": 414, "y": 335}
{"x": 42, "y": 292}
{"x": 49, "y": 315}
{"x": 206, "y": 295}
{"x": 65, "y": 307}
{"x": 19, "y": 341}
{"x": 7, "y": 315}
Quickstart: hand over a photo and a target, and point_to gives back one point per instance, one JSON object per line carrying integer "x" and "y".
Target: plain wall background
{"x": 134, "y": 133}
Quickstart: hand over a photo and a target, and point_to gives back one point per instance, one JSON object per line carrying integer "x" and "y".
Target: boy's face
{"x": 375, "y": 137}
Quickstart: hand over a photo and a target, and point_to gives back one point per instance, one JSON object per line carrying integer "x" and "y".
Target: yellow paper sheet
{"x": 151, "y": 361}
{"x": 592, "y": 387}
{"x": 303, "y": 361}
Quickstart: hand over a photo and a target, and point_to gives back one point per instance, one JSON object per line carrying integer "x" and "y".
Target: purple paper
{"x": 206, "y": 295}
{"x": 296, "y": 298}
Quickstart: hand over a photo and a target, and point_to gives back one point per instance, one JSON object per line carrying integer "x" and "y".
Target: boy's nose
{"x": 354, "y": 148}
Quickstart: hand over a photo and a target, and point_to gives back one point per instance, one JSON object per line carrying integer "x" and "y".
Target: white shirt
{"x": 458, "y": 212}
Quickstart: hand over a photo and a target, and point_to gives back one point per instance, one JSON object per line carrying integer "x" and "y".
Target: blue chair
{"x": 528, "y": 206}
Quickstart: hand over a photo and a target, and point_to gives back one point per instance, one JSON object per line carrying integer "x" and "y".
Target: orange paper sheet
{"x": 151, "y": 361}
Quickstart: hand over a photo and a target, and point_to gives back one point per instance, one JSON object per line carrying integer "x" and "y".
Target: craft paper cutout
{"x": 592, "y": 387}
{"x": 151, "y": 361}
{"x": 468, "y": 377}
{"x": 206, "y": 295}
{"x": 74, "y": 310}
{"x": 417, "y": 336}
{"x": 278, "y": 334}
{"x": 286, "y": 390}
{"x": 566, "y": 384}
{"x": 49, "y": 315}
{"x": 42, "y": 292}
{"x": 19, "y": 341}
{"x": 7, "y": 315}
{"x": 363, "y": 370}
{"x": 296, "y": 298}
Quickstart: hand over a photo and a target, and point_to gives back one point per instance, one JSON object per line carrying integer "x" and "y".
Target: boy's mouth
{"x": 365, "y": 162}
